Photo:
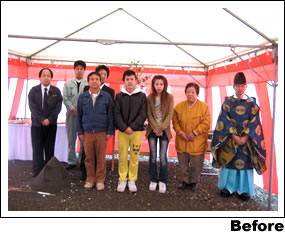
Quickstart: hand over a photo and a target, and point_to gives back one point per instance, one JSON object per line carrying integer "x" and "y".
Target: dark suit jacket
{"x": 109, "y": 90}
{"x": 54, "y": 102}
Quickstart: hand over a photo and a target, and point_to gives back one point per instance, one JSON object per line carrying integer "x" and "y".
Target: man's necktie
{"x": 45, "y": 103}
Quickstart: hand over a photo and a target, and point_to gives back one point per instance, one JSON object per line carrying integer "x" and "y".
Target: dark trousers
{"x": 82, "y": 165}
{"x": 43, "y": 141}
{"x": 163, "y": 146}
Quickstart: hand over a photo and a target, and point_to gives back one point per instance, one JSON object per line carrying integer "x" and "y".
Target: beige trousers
{"x": 190, "y": 167}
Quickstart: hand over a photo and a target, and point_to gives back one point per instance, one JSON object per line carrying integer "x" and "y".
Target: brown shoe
{"x": 88, "y": 185}
{"x": 100, "y": 186}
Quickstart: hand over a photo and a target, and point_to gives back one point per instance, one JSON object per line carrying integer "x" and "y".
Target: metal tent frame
{"x": 270, "y": 43}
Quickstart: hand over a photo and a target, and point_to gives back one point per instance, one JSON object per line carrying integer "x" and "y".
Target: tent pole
{"x": 114, "y": 41}
{"x": 196, "y": 80}
{"x": 274, "y": 55}
{"x": 25, "y": 115}
{"x": 189, "y": 74}
{"x": 231, "y": 58}
{"x": 37, "y": 52}
{"x": 254, "y": 29}
{"x": 164, "y": 37}
{"x": 262, "y": 67}
{"x": 206, "y": 70}
{"x": 28, "y": 71}
{"x": 250, "y": 67}
{"x": 110, "y": 63}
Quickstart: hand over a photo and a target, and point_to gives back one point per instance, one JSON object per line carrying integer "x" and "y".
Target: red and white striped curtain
{"x": 213, "y": 89}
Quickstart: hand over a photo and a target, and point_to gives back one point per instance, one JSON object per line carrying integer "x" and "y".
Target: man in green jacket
{"x": 71, "y": 91}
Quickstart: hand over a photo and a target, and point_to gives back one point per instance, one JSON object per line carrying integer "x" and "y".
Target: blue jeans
{"x": 163, "y": 146}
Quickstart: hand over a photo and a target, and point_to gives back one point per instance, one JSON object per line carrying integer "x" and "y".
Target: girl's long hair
{"x": 164, "y": 93}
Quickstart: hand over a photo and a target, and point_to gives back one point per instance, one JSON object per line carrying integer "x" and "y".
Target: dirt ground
{"x": 76, "y": 198}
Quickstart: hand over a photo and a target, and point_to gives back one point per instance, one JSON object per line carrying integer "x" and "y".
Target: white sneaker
{"x": 121, "y": 186}
{"x": 152, "y": 186}
{"x": 162, "y": 187}
{"x": 88, "y": 185}
{"x": 132, "y": 186}
{"x": 100, "y": 186}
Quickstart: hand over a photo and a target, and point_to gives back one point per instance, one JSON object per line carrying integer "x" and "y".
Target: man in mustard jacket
{"x": 191, "y": 122}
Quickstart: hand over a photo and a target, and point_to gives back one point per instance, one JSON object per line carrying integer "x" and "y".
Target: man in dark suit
{"x": 104, "y": 73}
{"x": 45, "y": 103}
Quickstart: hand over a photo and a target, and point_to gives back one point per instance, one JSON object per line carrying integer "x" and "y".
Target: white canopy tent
{"x": 144, "y": 22}
{"x": 158, "y": 34}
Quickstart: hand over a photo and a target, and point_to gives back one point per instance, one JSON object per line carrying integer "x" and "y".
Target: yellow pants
{"x": 129, "y": 172}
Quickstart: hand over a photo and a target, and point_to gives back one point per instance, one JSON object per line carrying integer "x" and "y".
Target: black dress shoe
{"x": 183, "y": 186}
{"x": 194, "y": 187}
{"x": 70, "y": 167}
{"x": 226, "y": 193}
{"x": 244, "y": 196}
